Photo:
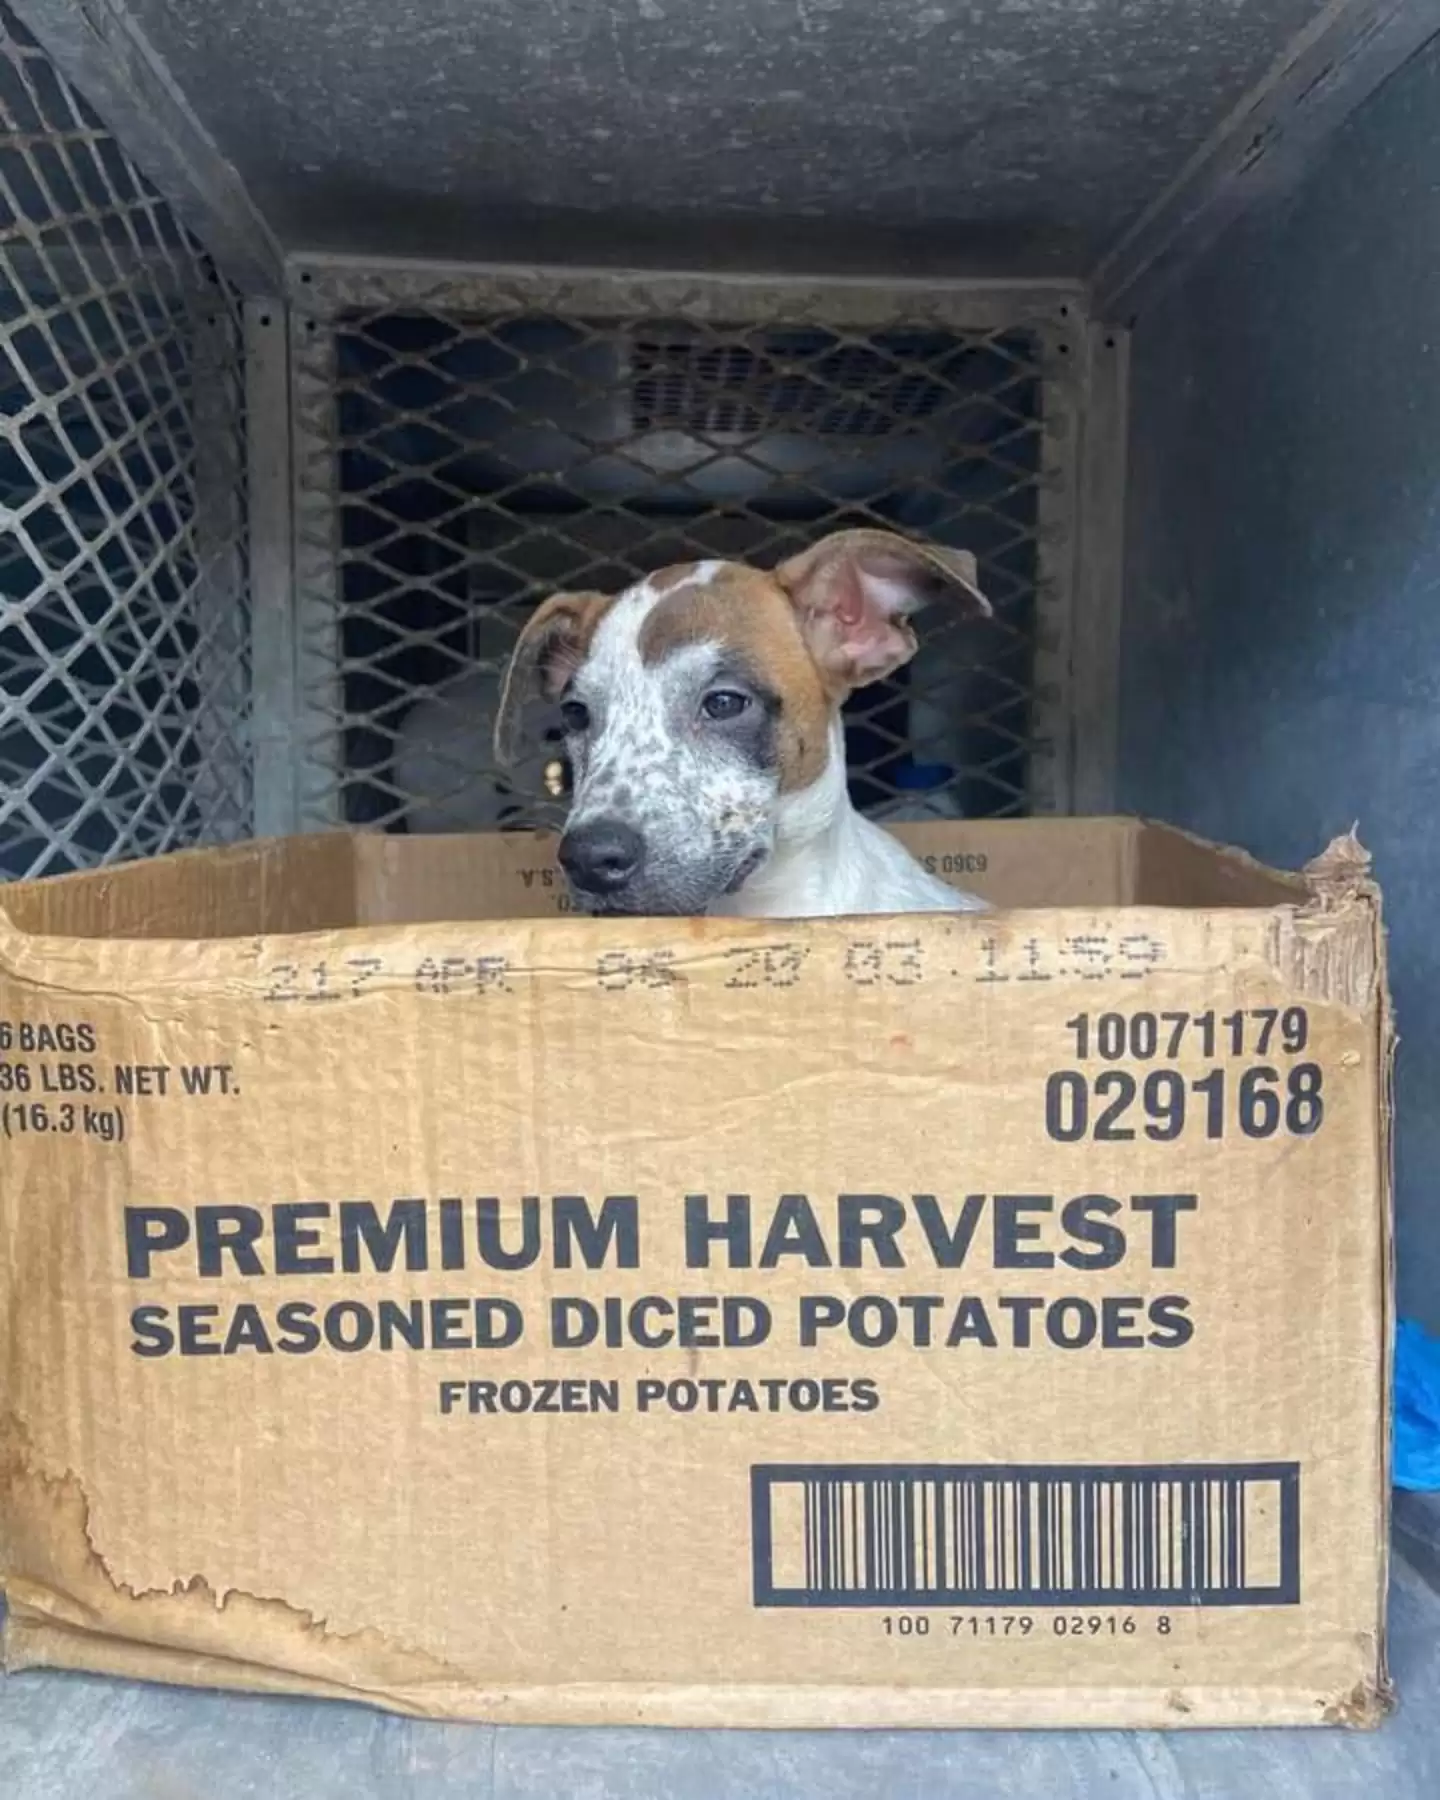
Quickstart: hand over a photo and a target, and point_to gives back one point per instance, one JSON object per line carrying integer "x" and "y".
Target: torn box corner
{"x": 1363, "y": 1707}
{"x": 1341, "y": 873}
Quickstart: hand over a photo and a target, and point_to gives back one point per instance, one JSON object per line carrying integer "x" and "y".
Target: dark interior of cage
{"x": 484, "y": 464}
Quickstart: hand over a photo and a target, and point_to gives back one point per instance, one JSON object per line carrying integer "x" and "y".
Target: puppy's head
{"x": 697, "y": 700}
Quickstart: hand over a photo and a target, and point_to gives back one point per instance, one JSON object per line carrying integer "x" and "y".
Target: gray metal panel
{"x": 1032, "y": 138}
{"x": 1282, "y": 632}
{"x": 950, "y": 136}
{"x": 1266, "y": 145}
{"x": 1056, "y": 550}
{"x": 96, "y": 45}
{"x": 1092, "y": 684}
{"x": 63, "y": 1736}
{"x": 275, "y": 723}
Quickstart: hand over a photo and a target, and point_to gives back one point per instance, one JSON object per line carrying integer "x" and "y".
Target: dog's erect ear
{"x": 548, "y": 652}
{"x": 854, "y": 593}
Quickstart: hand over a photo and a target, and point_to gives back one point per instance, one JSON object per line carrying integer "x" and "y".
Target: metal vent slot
{"x": 814, "y": 383}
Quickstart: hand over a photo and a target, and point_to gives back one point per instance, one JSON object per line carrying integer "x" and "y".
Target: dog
{"x": 701, "y": 712}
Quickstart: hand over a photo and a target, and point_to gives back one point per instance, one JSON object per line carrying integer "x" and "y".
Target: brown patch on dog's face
{"x": 671, "y": 576}
{"x": 744, "y": 613}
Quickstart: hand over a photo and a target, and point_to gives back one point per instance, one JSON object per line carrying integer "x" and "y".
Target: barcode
{"x": 1167, "y": 1535}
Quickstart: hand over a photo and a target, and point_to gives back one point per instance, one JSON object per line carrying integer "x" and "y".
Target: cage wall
{"x": 1281, "y": 660}
{"x": 430, "y": 453}
{"x": 263, "y": 565}
{"x": 123, "y": 626}
{"x": 467, "y": 443}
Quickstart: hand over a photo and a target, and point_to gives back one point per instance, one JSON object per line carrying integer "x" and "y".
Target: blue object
{"x": 914, "y": 775}
{"x": 1417, "y": 1409}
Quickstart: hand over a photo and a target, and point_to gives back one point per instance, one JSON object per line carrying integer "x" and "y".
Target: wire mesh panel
{"x": 123, "y": 626}
{"x": 466, "y": 450}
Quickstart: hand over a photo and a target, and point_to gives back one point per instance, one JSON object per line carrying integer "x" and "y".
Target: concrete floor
{"x": 77, "y": 1738}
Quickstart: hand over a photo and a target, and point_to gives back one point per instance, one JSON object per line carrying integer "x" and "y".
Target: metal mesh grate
{"x": 802, "y": 381}
{"x": 123, "y": 628}
{"x": 458, "y": 463}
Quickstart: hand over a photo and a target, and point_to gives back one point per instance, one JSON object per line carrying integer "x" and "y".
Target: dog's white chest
{"x": 853, "y": 868}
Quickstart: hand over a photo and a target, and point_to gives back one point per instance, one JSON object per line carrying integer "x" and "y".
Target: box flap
{"x": 1175, "y": 868}
{"x": 237, "y": 890}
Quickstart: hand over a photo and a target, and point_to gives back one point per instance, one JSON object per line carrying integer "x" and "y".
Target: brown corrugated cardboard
{"x": 940, "y": 1320}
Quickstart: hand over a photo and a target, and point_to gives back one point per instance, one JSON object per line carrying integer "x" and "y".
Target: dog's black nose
{"x": 601, "y": 855}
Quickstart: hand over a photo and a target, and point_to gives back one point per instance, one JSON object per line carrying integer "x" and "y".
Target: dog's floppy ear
{"x": 854, "y": 593}
{"x": 548, "y": 652}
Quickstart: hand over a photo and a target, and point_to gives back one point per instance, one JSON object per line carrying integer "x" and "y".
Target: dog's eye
{"x": 724, "y": 703}
{"x": 575, "y": 715}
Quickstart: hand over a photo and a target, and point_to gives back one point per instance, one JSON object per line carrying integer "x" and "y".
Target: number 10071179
{"x": 1258, "y": 1033}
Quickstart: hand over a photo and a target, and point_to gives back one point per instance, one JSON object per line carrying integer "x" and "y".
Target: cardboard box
{"x": 928, "y": 1321}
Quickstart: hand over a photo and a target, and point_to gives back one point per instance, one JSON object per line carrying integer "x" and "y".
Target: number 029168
{"x": 1117, "y": 1106}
